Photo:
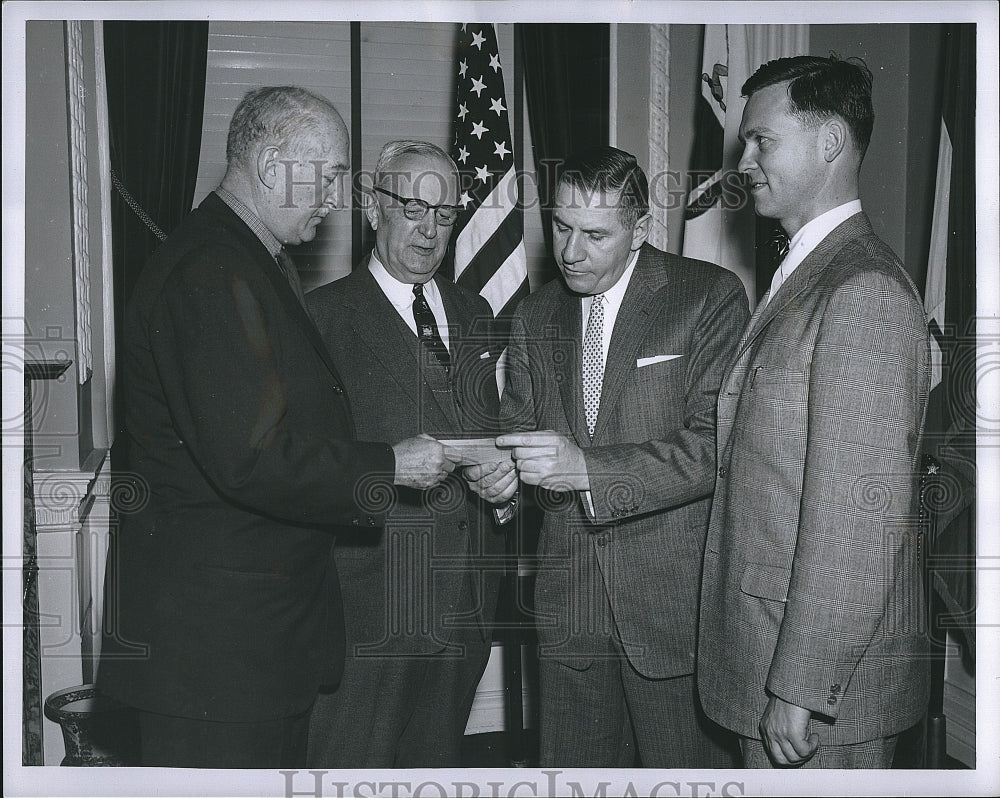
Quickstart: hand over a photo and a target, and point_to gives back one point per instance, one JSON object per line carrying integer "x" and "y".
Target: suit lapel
{"x": 804, "y": 276}
{"x": 567, "y": 351}
{"x": 213, "y": 204}
{"x": 630, "y": 330}
{"x": 802, "y": 280}
{"x": 457, "y": 324}
{"x": 375, "y": 320}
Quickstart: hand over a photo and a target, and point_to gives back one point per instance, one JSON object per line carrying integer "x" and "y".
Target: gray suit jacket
{"x": 651, "y": 461}
{"x": 407, "y": 589}
{"x": 812, "y": 587}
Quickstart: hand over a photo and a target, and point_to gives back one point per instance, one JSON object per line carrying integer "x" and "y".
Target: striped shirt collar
{"x": 251, "y": 220}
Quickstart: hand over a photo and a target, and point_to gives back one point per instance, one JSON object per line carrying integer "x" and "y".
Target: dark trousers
{"x": 167, "y": 741}
{"x": 399, "y": 711}
{"x": 875, "y": 754}
{"x": 609, "y": 715}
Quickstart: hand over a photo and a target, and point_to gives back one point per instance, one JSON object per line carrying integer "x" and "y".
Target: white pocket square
{"x": 484, "y": 355}
{"x": 649, "y": 361}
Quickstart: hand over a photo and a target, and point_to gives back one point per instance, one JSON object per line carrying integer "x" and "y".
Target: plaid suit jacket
{"x": 812, "y": 586}
{"x": 633, "y": 568}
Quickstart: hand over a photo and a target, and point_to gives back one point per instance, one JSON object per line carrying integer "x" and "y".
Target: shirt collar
{"x": 614, "y": 295}
{"x": 819, "y": 228}
{"x": 400, "y": 294}
{"x": 251, "y": 220}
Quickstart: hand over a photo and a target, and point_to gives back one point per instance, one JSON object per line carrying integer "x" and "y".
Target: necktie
{"x": 780, "y": 243}
{"x": 287, "y": 266}
{"x": 427, "y": 329}
{"x": 593, "y": 361}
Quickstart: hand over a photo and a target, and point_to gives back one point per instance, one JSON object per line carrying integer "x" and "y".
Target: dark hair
{"x": 284, "y": 115}
{"x": 608, "y": 169}
{"x": 820, "y": 87}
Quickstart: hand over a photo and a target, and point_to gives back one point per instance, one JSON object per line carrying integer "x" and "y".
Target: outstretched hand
{"x": 422, "y": 462}
{"x": 548, "y": 459}
{"x": 495, "y": 482}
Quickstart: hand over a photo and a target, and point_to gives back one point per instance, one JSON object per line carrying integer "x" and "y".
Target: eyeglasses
{"x": 416, "y": 209}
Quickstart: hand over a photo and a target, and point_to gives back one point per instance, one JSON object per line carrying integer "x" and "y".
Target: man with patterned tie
{"x": 612, "y": 374}
{"x": 810, "y": 643}
{"x": 418, "y": 357}
{"x": 223, "y": 615}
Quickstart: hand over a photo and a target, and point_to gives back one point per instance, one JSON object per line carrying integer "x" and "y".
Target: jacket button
{"x": 722, "y": 472}
{"x": 601, "y": 541}
{"x": 463, "y": 525}
{"x": 371, "y": 520}
{"x": 354, "y": 521}
{"x": 831, "y": 700}
{"x": 835, "y": 688}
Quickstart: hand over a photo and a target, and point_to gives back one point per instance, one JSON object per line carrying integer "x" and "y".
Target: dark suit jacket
{"x": 221, "y": 601}
{"x": 812, "y": 588}
{"x": 406, "y": 589}
{"x": 651, "y": 462}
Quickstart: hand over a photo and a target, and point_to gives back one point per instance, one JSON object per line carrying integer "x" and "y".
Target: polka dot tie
{"x": 593, "y": 361}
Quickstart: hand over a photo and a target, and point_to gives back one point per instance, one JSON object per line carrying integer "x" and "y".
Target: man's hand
{"x": 783, "y": 731}
{"x": 495, "y": 482}
{"x": 421, "y": 462}
{"x": 547, "y": 458}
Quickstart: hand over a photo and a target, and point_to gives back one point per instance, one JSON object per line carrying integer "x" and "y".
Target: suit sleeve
{"x": 853, "y": 552}
{"x": 227, "y": 352}
{"x": 519, "y": 406}
{"x": 679, "y": 467}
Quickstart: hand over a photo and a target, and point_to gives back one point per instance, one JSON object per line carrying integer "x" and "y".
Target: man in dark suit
{"x": 617, "y": 366}
{"x": 810, "y": 643}
{"x": 224, "y": 613}
{"x": 417, "y": 356}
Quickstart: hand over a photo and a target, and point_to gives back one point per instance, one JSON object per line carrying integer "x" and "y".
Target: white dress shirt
{"x": 612, "y": 304}
{"x": 400, "y": 295}
{"x": 808, "y": 238}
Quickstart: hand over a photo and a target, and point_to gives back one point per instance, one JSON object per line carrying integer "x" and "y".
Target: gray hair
{"x": 283, "y": 115}
{"x": 395, "y": 150}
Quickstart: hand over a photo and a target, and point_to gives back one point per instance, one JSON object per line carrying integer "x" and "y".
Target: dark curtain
{"x": 156, "y": 97}
{"x": 568, "y": 94}
{"x": 951, "y": 412}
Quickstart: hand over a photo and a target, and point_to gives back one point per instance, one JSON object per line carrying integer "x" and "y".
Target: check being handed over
{"x": 476, "y": 451}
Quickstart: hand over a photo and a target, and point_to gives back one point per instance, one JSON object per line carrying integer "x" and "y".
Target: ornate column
{"x": 31, "y": 722}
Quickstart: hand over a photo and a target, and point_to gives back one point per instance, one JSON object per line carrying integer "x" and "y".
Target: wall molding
{"x": 489, "y": 708}
{"x": 659, "y": 130}
{"x": 107, "y": 251}
{"x": 76, "y": 91}
{"x": 63, "y": 499}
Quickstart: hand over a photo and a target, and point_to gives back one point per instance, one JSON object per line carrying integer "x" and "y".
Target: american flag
{"x": 489, "y": 240}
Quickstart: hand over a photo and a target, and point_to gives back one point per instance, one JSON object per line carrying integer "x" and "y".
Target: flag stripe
{"x": 503, "y": 240}
{"x": 484, "y": 221}
{"x": 489, "y": 238}
{"x": 506, "y": 281}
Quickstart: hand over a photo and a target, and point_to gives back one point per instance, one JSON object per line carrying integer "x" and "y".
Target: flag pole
{"x": 511, "y": 646}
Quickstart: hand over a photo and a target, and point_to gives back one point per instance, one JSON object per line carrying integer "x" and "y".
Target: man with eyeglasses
{"x": 418, "y": 357}
{"x": 223, "y": 616}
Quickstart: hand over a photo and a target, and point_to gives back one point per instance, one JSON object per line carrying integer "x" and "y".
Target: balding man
{"x": 224, "y": 614}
